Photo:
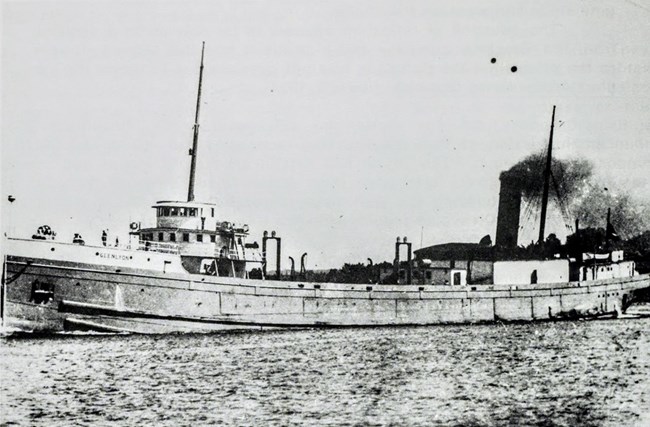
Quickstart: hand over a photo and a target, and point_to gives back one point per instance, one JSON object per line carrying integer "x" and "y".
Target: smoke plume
{"x": 578, "y": 194}
{"x": 629, "y": 217}
{"x": 569, "y": 175}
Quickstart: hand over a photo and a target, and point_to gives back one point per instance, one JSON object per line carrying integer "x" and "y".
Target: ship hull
{"x": 46, "y": 295}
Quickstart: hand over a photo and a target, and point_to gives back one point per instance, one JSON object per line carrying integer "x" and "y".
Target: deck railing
{"x": 162, "y": 247}
{"x": 250, "y": 255}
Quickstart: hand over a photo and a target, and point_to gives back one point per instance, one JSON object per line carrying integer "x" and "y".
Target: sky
{"x": 339, "y": 124}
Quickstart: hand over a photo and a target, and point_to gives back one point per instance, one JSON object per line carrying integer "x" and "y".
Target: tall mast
{"x": 547, "y": 179}
{"x": 195, "y": 140}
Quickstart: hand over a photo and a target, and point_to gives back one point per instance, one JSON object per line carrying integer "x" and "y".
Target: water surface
{"x": 572, "y": 373}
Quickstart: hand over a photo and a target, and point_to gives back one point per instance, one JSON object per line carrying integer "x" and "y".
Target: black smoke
{"x": 579, "y": 194}
{"x": 568, "y": 176}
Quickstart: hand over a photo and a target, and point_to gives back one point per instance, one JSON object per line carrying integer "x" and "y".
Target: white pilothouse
{"x": 205, "y": 244}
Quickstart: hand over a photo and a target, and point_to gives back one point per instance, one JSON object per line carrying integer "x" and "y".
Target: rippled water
{"x": 573, "y": 373}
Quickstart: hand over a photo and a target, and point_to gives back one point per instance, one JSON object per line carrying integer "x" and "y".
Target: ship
{"x": 191, "y": 272}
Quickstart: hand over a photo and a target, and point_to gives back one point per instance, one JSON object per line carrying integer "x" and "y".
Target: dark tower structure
{"x": 509, "y": 210}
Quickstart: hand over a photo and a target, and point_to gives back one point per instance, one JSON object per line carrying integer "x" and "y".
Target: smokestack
{"x": 509, "y": 211}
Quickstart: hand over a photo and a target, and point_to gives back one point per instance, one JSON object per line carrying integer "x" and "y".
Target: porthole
{"x": 52, "y": 249}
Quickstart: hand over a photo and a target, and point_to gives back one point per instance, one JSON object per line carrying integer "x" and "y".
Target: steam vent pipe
{"x": 278, "y": 255}
{"x": 293, "y": 268}
{"x": 278, "y": 258}
{"x": 409, "y": 260}
{"x": 264, "y": 239}
{"x": 303, "y": 270}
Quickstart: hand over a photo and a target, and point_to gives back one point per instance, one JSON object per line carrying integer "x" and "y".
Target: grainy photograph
{"x": 337, "y": 213}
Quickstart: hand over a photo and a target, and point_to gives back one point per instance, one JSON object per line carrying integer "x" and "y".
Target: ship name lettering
{"x": 113, "y": 256}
